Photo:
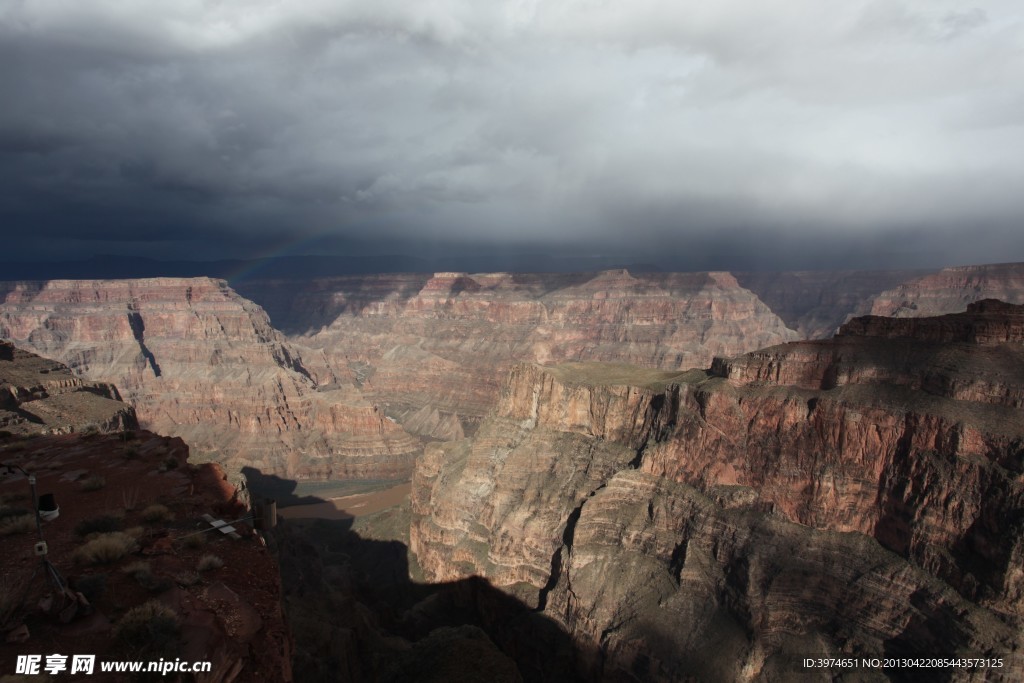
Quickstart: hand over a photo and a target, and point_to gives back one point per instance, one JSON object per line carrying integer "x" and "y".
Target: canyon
{"x": 614, "y": 453}
{"x": 361, "y": 371}
{"x": 848, "y": 496}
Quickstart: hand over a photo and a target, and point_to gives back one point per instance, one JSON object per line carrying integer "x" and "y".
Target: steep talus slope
{"x": 950, "y": 290}
{"x": 198, "y": 361}
{"x": 436, "y": 350}
{"x": 855, "y": 496}
{"x": 39, "y": 395}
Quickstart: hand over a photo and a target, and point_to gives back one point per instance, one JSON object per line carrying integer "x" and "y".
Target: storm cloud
{"x": 760, "y": 130}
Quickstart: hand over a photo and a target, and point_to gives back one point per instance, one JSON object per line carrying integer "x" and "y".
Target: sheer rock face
{"x": 41, "y": 396}
{"x": 816, "y": 303}
{"x": 446, "y": 342}
{"x": 198, "y": 361}
{"x": 860, "y": 495}
{"x": 950, "y": 290}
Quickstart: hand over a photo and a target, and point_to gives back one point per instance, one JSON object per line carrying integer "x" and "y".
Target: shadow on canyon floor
{"x": 356, "y": 615}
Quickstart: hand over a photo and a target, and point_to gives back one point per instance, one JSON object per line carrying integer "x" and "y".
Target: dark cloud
{"x": 798, "y": 132}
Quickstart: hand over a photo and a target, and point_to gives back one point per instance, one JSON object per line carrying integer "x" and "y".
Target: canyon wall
{"x": 435, "y": 349}
{"x": 949, "y": 291}
{"x": 856, "y": 496}
{"x": 816, "y": 302}
{"x": 198, "y": 361}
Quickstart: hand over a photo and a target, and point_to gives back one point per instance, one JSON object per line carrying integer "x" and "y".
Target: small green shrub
{"x": 157, "y": 513}
{"x": 105, "y": 548}
{"x": 208, "y": 562}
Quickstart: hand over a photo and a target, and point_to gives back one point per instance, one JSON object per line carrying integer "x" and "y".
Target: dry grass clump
{"x": 18, "y": 524}
{"x": 187, "y": 579}
{"x": 98, "y": 525}
{"x": 137, "y": 569}
{"x": 194, "y": 541}
{"x": 148, "y": 631}
{"x": 105, "y": 548}
{"x": 143, "y": 574}
{"x": 208, "y": 562}
{"x": 93, "y": 483}
{"x": 157, "y": 513}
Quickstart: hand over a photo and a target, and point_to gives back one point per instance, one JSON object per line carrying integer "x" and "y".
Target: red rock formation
{"x": 444, "y": 344}
{"x": 862, "y": 494}
{"x": 950, "y": 290}
{"x": 198, "y": 361}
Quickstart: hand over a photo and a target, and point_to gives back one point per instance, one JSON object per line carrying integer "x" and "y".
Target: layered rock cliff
{"x": 949, "y": 291}
{"x": 37, "y": 395}
{"x": 198, "y": 361}
{"x": 436, "y": 349}
{"x": 861, "y": 495}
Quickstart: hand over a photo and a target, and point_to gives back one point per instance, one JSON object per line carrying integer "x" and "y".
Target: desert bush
{"x": 157, "y": 513}
{"x": 99, "y": 525}
{"x": 208, "y": 562}
{"x": 187, "y": 579}
{"x": 135, "y": 569}
{"x": 171, "y": 463}
{"x": 93, "y": 483}
{"x": 143, "y": 574}
{"x": 194, "y": 541}
{"x": 149, "y": 631}
{"x": 91, "y": 429}
{"x": 17, "y": 525}
{"x": 105, "y": 548}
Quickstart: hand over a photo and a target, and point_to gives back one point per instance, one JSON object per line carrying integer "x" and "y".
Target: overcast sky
{"x": 804, "y": 132}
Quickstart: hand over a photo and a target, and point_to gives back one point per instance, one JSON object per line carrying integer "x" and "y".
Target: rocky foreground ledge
{"x": 138, "y": 572}
{"x": 857, "y": 496}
